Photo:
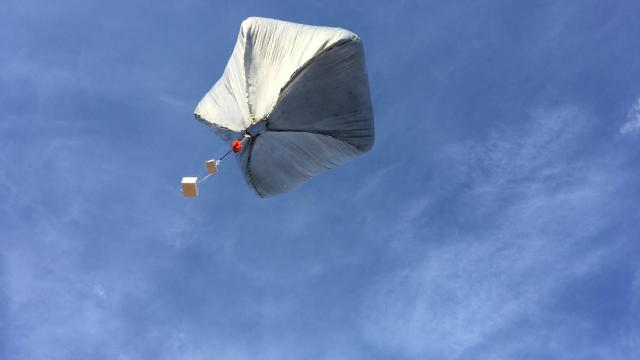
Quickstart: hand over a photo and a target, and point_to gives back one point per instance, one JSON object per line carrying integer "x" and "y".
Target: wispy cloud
{"x": 632, "y": 126}
{"x": 541, "y": 209}
{"x": 177, "y": 103}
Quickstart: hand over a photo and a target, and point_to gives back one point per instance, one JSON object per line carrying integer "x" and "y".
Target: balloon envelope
{"x": 302, "y": 92}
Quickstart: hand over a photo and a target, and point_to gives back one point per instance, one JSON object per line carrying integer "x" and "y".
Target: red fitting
{"x": 236, "y": 146}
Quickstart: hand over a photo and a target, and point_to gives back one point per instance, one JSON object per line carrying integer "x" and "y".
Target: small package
{"x": 190, "y": 186}
{"x": 212, "y": 166}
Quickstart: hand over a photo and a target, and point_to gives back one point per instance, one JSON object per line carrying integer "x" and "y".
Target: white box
{"x": 190, "y": 186}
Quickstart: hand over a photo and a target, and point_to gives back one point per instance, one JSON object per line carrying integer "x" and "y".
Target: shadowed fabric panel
{"x": 330, "y": 96}
{"x": 280, "y": 161}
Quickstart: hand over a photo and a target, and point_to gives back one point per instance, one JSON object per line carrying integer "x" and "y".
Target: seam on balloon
{"x": 306, "y": 64}
{"x": 250, "y": 175}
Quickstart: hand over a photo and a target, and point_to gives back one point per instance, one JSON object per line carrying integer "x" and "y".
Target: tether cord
{"x": 225, "y": 155}
{"x": 203, "y": 179}
{"x": 222, "y": 158}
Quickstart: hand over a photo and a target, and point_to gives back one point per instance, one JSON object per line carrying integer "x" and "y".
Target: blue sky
{"x": 497, "y": 216}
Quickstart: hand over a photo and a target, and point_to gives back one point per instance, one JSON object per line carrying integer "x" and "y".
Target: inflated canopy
{"x": 301, "y": 92}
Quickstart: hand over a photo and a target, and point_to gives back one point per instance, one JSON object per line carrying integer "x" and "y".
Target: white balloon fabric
{"x": 302, "y": 94}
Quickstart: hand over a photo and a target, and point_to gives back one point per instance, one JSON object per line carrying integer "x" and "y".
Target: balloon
{"x": 300, "y": 93}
